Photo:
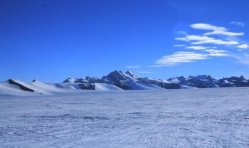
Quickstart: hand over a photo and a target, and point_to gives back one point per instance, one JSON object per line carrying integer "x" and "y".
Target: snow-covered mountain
{"x": 233, "y": 82}
{"x": 128, "y": 81}
{"x": 119, "y": 80}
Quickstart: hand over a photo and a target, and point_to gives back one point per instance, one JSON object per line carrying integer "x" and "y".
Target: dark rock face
{"x": 11, "y": 81}
{"x": 233, "y": 82}
{"x": 118, "y": 77}
{"x": 160, "y": 83}
{"x": 170, "y": 85}
{"x": 87, "y": 86}
{"x": 180, "y": 80}
{"x": 87, "y": 79}
{"x": 201, "y": 81}
{"x": 124, "y": 80}
{"x": 122, "y": 85}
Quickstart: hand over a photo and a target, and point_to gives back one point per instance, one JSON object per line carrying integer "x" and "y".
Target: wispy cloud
{"x": 181, "y": 32}
{"x": 226, "y": 33}
{"x": 243, "y": 46}
{"x": 133, "y": 67}
{"x": 187, "y": 57}
{"x": 241, "y": 24}
{"x": 180, "y": 57}
{"x": 199, "y": 39}
{"x": 179, "y": 45}
{"x": 215, "y": 30}
{"x": 243, "y": 59}
{"x": 203, "y": 26}
{"x": 197, "y": 47}
{"x": 217, "y": 53}
{"x": 204, "y": 46}
{"x": 214, "y": 42}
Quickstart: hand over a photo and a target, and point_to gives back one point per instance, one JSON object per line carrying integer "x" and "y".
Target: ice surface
{"x": 160, "y": 118}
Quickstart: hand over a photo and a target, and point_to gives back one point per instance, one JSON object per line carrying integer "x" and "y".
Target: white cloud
{"x": 179, "y": 45}
{"x": 197, "y": 40}
{"x": 203, "y": 26}
{"x": 226, "y": 33}
{"x": 182, "y": 39}
{"x": 241, "y": 24}
{"x": 243, "y": 46}
{"x": 217, "y": 53}
{"x": 215, "y": 41}
{"x": 197, "y": 47}
{"x": 204, "y": 46}
{"x": 133, "y": 67}
{"x": 215, "y": 30}
{"x": 180, "y": 57}
{"x": 187, "y": 57}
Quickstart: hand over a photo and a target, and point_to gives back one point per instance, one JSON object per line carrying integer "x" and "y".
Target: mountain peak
{"x": 131, "y": 74}
{"x": 118, "y": 75}
{"x": 70, "y": 80}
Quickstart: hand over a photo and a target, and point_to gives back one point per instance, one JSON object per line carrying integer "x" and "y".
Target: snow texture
{"x": 150, "y": 118}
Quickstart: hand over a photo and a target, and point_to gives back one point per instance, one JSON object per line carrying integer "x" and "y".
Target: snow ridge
{"x": 119, "y": 80}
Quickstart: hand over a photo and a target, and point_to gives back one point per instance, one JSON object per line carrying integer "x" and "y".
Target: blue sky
{"x": 51, "y": 40}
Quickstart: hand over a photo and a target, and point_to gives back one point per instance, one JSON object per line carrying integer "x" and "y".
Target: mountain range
{"x": 119, "y": 80}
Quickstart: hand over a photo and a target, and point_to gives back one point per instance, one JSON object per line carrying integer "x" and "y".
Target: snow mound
{"x": 10, "y": 89}
{"x": 106, "y": 87}
{"x": 17, "y": 87}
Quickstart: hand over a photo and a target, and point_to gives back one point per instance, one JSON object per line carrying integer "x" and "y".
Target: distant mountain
{"x": 130, "y": 81}
{"x": 233, "y": 82}
{"x": 119, "y": 80}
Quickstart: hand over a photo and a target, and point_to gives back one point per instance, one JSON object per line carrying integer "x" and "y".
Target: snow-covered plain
{"x": 157, "y": 118}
